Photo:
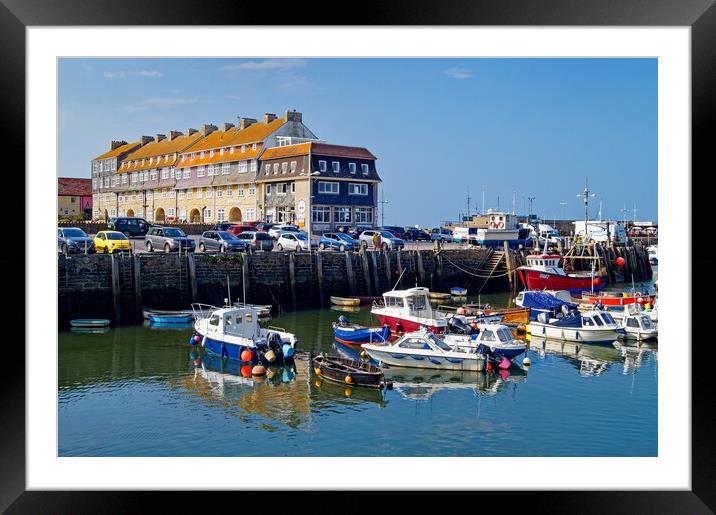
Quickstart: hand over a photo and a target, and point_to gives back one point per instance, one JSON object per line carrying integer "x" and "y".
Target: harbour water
{"x": 142, "y": 391}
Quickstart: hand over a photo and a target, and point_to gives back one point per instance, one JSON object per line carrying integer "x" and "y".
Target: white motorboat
{"x": 636, "y": 323}
{"x": 424, "y": 349}
{"x": 408, "y": 310}
{"x": 490, "y": 339}
{"x": 234, "y": 332}
{"x": 587, "y": 327}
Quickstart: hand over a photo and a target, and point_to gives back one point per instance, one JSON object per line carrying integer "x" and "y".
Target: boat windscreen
{"x": 437, "y": 341}
{"x": 504, "y": 334}
{"x": 608, "y": 318}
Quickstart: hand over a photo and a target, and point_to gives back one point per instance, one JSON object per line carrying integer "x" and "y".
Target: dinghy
{"x": 345, "y": 301}
{"x": 458, "y": 292}
{"x": 89, "y": 322}
{"x": 348, "y": 372}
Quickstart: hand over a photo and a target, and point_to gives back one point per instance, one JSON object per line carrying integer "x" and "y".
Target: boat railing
{"x": 280, "y": 329}
{"x": 378, "y": 303}
{"x": 201, "y": 311}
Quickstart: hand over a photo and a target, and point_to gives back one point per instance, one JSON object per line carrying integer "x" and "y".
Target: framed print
{"x": 203, "y": 216}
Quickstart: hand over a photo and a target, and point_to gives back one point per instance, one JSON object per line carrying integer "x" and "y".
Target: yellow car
{"x": 111, "y": 241}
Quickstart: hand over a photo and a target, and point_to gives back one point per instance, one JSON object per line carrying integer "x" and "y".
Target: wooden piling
{"x": 400, "y": 268}
{"x": 137, "y": 287}
{"x": 386, "y": 256}
{"x": 439, "y": 269}
{"x": 319, "y": 273}
{"x": 366, "y": 272}
{"x": 191, "y": 266}
{"x": 421, "y": 269}
{"x": 116, "y": 290}
{"x": 350, "y": 273}
{"x": 292, "y": 277}
{"x": 245, "y": 278}
{"x": 508, "y": 263}
{"x": 374, "y": 259}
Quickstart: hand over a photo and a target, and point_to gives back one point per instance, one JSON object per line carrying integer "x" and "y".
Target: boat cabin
{"x": 500, "y": 220}
{"x": 411, "y": 302}
{"x": 597, "y": 319}
{"x": 425, "y": 340}
{"x": 546, "y": 262}
{"x": 236, "y": 321}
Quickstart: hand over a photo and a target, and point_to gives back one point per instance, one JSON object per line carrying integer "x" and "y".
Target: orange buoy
{"x": 247, "y": 355}
{"x": 349, "y": 392}
{"x": 317, "y": 370}
{"x": 246, "y": 371}
{"x": 348, "y": 379}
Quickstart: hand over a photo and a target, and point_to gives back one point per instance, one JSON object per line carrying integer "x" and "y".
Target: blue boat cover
{"x": 541, "y": 300}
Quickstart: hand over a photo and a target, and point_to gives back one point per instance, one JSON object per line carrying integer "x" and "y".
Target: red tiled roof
{"x": 67, "y": 186}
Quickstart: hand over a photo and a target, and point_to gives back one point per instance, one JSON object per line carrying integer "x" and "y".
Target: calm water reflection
{"x": 142, "y": 391}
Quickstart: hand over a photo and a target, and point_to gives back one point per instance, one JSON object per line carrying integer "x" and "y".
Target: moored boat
{"x": 637, "y": 324}
{"x": 613, "y": 299}
{"x": 438, "y": 295}
{"x": 458, "y": 291}
{"x": 348, "y": 372}
{"x": 515, "y": 315}
{"x": 543, "y": 302}
{"x": 354, "y": 334}
{"x": 490, "y": 339}
{"x": 89, "y": 322}
{"x": 408, "y": 310}
{"x": 425, "y": 349}
{"x": 234, "y": 332}
{"x": 170, "y": 318}
{"x": 147, "y": 313}
{"x": 543, "y": 272}
{"x": 588, "y": 327}
{"x": 345, "y": 301}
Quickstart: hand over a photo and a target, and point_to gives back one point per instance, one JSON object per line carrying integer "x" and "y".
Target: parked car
{"x": 441, "y": 233}
{"x": 74, "y": 239}
{"x": 129, "y": 225}
{"x": 222, "y": 226}
{"x": 169, "y": 239}
{"x": 415, "y": 234}
{"x": 351, "y": 231}
{"x": 297, "y": 241}
{"x": 387, "y": 239}
{"x": 277, "y": 229}
{"x": 337, "y": 241}
{"x": 256, "y": 240}
{"x": 222, "y": 241}
{"x": 111, "y": 242}
{"x": 237, "y": 229}
{"x": 263, "y": 226}
{"x": 396, "y": 231}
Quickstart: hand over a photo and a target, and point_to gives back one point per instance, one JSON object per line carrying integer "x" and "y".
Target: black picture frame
{"x": 699, "y": 15}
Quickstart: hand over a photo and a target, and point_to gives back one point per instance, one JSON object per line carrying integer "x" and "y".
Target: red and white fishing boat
{"x": 543, "y": 272}
{"x": 616, "y": 299}
{"x": 407, "y": 310}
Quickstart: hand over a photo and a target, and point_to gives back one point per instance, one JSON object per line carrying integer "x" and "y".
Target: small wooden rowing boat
{"x": 458, "y": 292}
{"x": 345, "y": 301}
{"x": 170, "y": 318}
{"x": 348, "y": 372}
{"x": 438, "y": 295}
{"x": 516, "y": 315}
{"x": 89, "y": 322}
{"x": 147, "y": 313}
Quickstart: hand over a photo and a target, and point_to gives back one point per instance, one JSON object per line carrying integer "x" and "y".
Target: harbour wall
{"x": 118, "y": 287}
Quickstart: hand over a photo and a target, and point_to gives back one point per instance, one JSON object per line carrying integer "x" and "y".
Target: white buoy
{"x": 526, "y": 362}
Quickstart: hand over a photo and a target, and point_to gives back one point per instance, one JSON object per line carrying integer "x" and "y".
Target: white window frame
{"x": 322, "y": 165}
{"x": 352, "y": 186}
{"x": 327, "y": 188}
{"x": 364, "y": 168}
{"x": 336, "y": 166}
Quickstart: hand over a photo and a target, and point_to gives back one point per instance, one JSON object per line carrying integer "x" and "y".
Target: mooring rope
{"x": 473, "y": 273}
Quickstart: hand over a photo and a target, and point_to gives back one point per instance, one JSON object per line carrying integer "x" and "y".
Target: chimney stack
{"x": 269, "y": 117}
{"x": 226, "y": 126}
{"x": 160, "y": 137}
{"x": 293, "y": 116}
{"x": 174, "y": 135}
{"x": 191, "y": 131}
{"x": 117, "y": 144}
{"x": 245, "y": 122}
{"x": 145, "y": 139}
{"x": 207, "y": 129}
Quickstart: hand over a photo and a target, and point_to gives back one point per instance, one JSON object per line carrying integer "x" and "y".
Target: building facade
{"x": 74, "y": 197}
{"x": 220, "y": 174}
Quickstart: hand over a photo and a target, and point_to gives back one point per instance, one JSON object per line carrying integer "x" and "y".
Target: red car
{"x": 236, "y": 229}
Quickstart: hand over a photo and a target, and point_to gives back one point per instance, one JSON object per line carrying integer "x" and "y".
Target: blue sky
{"x": 522, "y": 127}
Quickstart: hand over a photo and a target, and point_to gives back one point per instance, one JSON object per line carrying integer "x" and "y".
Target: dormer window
{"x": 191, "y": 156}
{"x": 183, "y": 157}
{"x": 284, "y": 167}
{"x": 352, "y": 167}
{"x": 221, "y": 152}
{"x": 243, "y": 148}
{"x": 364, "y": 169}
{"x": 232, "y": 150}
{"x": 201, "y": 155}
{"x": 253, "y": 147}
{"x": 336, "y": 166}
{"x": 322, "y": 166}
{"x": 150, "y": 160}
{"x": 211, "y": 153}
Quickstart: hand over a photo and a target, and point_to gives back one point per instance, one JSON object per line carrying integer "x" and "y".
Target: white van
{"x": 463, "y": 234}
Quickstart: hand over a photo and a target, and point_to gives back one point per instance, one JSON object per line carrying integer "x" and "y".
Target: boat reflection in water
{"x": 635, "y": 353}
{"x": 279, "y": 395}
{"x": 422, "y": 383}
{"x": 593, "y": 360}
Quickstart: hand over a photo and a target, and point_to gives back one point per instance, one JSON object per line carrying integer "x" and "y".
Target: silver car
{"x": 256, "y": 240}
{"x": 221, "y": 241}
{"x": 168, "y": 239}
{"x": 297, "y": 241}
{"x": 279, "y": 229}
{"x": 74, "y": 240}
{"x": 387, "y": 240}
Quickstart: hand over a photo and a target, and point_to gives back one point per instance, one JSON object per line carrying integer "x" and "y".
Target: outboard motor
{"x": 343, "y": 321}
{"x": 565, "y": 309}
{"x": 542, "y": 317}
{"x": 274, "y": 342}
{"x": 457, "y": 326}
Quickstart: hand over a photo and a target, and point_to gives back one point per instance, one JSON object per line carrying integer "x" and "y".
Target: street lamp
{"x": 309, "y": 209}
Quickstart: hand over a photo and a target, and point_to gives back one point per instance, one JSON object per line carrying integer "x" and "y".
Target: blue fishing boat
{"x": 354, "y": 334}
{"x": 458, "y": 292}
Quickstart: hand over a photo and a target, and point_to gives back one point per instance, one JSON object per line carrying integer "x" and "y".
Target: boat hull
{"x": 540, "y": 280}
{"x": 574, "y": 334}
{"x": 344, "y": 301}
{"x": 402, "y": 325}
{"x": 356, "y": 336}
{"x": 610, "y": 301}
{"x": 337, "y": 369}
{"x": 90, "y": 322}
{"x": 170, "y": 319}
{"x": 473, "y": 363}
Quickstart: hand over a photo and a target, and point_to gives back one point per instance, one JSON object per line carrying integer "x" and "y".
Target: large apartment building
{"x": 273, "y": 170}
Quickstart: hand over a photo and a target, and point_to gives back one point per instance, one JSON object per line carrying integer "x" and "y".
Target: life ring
{"x": 500, "y": 225}
{"x": 493, "y": 225}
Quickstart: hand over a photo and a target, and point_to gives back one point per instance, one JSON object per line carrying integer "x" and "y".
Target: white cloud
{"x": 267, "y": 64}
{"x": 232, "y": 97}
{"x": 87, "y": 67}
{"x": 141, "y": 73}
{"x": 114, "y": 75}
{"x": 159, "y": 103}
{"x": 458, "y": 73}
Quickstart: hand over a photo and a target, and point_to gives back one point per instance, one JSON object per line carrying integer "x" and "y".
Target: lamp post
{"x": 382, "y": 210}
{"x": 309, "y": 208}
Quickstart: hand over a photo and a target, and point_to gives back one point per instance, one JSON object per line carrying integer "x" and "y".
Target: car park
{"x": 387, "y": 240}
{"x": 168, "y": 239}
{"x": 256, "y": 240}
{"x": 441, "y": 234}
{"x": 237, "y": 229}
{"x": 297, "y": 241}
{"x": 129, "y": 225}
{"x": 396, "y": 231}
{"x": 74, "y": 240}
{"x": 110, "y": 242}
{"x": 221, "y": 241}
{"x": 277, "y": 229}
{"x": 415, "y": 234}
{"x": 337, "y": 241}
